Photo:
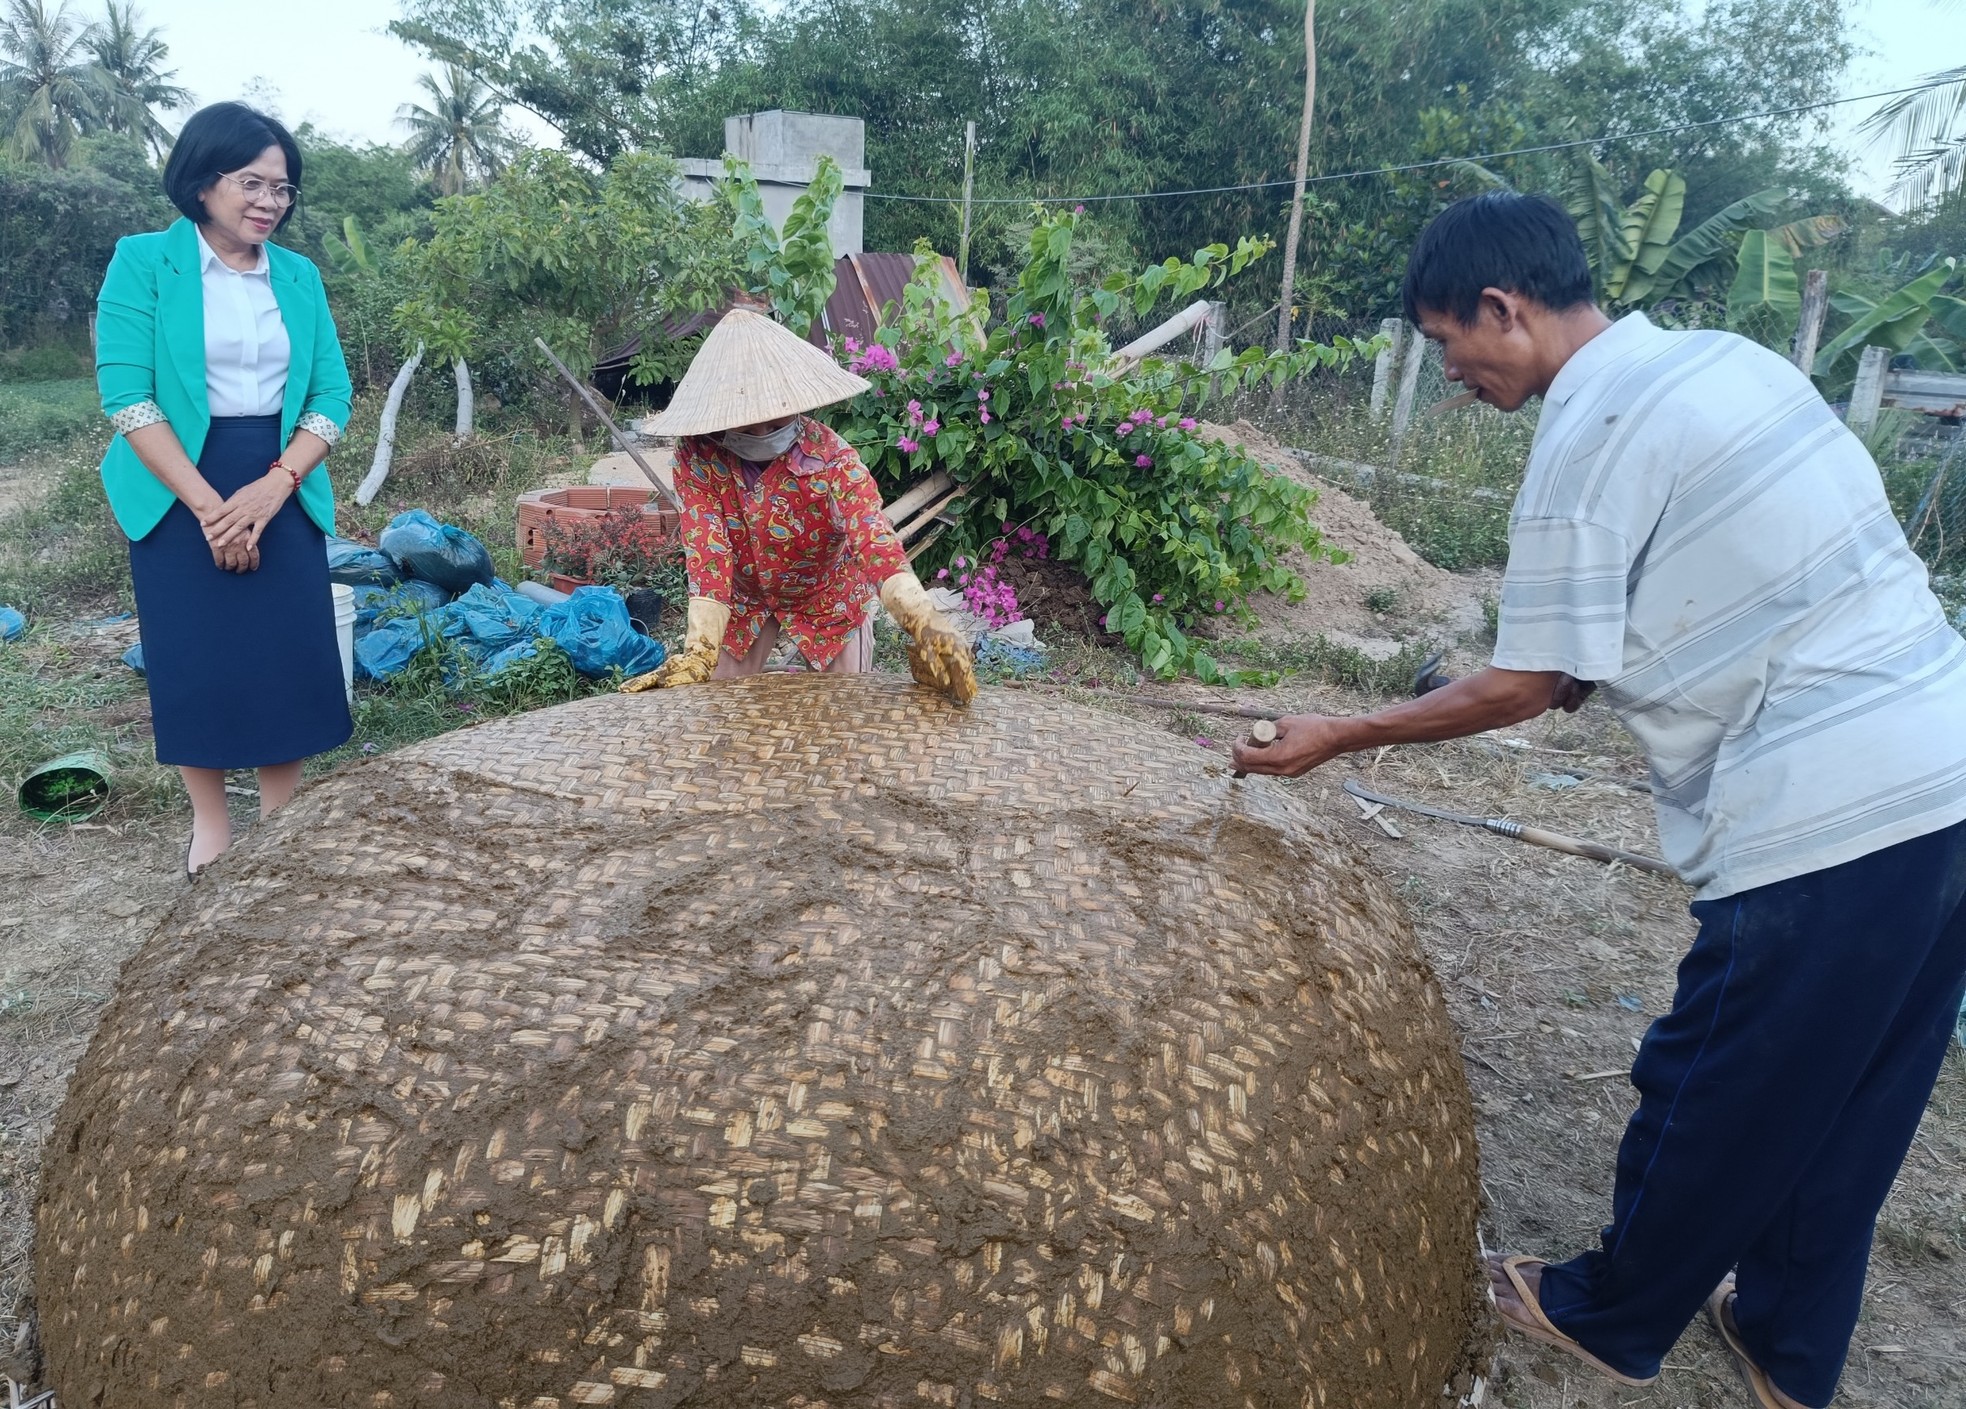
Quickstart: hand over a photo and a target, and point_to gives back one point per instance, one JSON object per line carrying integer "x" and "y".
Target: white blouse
{"x": 246, "y": 346}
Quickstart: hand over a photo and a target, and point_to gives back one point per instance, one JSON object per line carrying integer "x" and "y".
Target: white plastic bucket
{"x": 344, "y": 630}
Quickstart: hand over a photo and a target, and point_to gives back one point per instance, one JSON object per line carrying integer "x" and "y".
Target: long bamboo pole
{"x": 662, "y": 490}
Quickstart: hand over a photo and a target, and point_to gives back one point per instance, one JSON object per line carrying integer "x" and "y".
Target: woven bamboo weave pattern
{"x": 791, "y": 1042}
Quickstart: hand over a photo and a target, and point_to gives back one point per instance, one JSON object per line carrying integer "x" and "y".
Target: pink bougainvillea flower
{"x": 986, "y": 418}
{"x": 954, "y": 359}
{"x": 983, "y": 395}
{"x": 1078, "y": 210}
{"x": 1187, "y": 423}
{"x": 1123, "y": 429}
{"x": 941, "y": 573}
{"x": 853, "y": 345}
{"x": 1157, "y": 596}
{"x": 915, "y": 409}
{"x": 907, "y": 446}
{"x": 1160, "y": 422}
{"x": 1037, "y": 320}
{"x": 930, "y": 427}
{"x": 1221, "y": 606}
{"x": 1143, "y": 461}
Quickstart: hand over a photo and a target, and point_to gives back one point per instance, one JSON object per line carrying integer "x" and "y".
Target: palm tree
{"x": 457, "y": 139}
{"x": 49, "y": 91}
{"x": 134, "y": 78}
{"x": 1927, "y": 127}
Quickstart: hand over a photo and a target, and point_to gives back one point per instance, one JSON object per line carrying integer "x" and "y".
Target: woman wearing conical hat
{"x": 783, "y": 531}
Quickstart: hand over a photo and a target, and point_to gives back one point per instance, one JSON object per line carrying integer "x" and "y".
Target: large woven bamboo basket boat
{"x": 792, "y": 1042}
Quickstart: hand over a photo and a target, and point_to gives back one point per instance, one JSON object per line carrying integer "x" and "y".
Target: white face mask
{"x": 761, "y": 449}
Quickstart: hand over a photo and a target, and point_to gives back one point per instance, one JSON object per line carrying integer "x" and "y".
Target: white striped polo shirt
{"x": 1698, "y": 533}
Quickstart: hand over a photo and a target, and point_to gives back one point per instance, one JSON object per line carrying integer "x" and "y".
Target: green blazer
{"x": 150, "y": 346}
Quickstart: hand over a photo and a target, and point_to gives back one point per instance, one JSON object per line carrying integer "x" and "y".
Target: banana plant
{"x": 1636, "y": 251}
{"x": 1765, "y": 302}
{"x": 1900, "y": 323}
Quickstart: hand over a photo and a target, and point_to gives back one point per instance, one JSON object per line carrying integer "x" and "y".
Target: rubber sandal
{"x": 1531, "y": 1321}
{"x": 1759, "y": 1385}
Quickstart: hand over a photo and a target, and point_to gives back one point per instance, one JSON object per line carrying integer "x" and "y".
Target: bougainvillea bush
{"x": 1049, "y": 434}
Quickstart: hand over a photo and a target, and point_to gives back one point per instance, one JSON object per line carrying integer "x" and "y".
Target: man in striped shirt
{"x": 1699, "y": 536}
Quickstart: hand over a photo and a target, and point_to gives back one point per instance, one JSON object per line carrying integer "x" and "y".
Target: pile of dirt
{"x": 1057, "y": 599}
{"x": 797, "y": 1037}
{"x": 1383, "y": 592}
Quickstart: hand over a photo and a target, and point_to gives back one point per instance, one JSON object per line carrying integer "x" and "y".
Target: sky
{"x": 329, "y": 61}
{"x": 332, "y": 61}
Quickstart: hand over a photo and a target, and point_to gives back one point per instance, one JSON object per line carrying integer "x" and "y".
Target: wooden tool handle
{"x": 1262, "y": 733}
{"x": 1596, "y": 851}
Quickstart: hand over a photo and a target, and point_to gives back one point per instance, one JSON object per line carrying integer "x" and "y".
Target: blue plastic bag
{"x": 436, "y": 552}
{"x": 388, "y": 649}
{"x": 415, "y": 597}
{"x": 592, "y": 627}
{"x": 133, "y": 658}
{"x": 13, "y": 625}
{"x": 355, "y": 565}
{"x": 511, "y": 655}
{"x": 488, "y": 619}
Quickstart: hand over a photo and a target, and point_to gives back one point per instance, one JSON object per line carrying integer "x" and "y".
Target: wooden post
{"x": 1409, "y": 383}
{"x": 1809, "y": 331}
{"x": 1867, "y": 395}
{"x": 1289, "y": 294}
{"x": 1214, "y": 337}
{"x": 1385, "y": 365}
{"x": 969, "y": 185}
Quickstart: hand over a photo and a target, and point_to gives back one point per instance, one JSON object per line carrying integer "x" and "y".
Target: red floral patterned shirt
{"x": 806, "y": 543}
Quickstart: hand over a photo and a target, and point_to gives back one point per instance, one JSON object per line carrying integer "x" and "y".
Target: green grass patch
{"x": 1332, "y": 662}
{"x": 39, "y": 416}
{"x": 63, "y": 555}
{"x": 61, "y": 696}
{"x": 1457, "y": 476}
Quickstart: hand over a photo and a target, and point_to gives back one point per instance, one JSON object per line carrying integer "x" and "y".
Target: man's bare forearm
{"x": 1489, "y": 699}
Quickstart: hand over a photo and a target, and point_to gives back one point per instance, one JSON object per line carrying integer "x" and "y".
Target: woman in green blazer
{"x": 220, "y": 369}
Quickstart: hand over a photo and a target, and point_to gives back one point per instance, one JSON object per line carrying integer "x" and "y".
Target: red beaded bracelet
{"x": 292, "y": 473}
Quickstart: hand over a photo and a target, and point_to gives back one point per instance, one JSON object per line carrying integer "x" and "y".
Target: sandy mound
{"x": 1413, "y": 596}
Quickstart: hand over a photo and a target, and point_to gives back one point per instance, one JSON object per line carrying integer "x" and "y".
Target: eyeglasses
{"x": 253, "y": 188}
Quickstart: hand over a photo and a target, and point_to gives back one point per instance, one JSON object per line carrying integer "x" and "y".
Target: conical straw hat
{"x": 750, "y": 370}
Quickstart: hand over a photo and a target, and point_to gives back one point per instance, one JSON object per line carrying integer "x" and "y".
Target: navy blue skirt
{"x": 244, "y": 670}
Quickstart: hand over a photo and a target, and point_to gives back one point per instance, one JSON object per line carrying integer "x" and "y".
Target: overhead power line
{"x": 1417, "y": 165}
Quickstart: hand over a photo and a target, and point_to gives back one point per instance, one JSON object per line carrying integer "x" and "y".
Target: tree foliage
{"x": 1046, "y": 431}
{"x": 551, "y": 250}
{"x": 457, "y": 139}
{"x": 129, "y": 59}
{"x": 58, "y": 229}
{"x": 1093, "y": 97}
{"x": 49, "y": 90}
{"x": 792, "y": 269}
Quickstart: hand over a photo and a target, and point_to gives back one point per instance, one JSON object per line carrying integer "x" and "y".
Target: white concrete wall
{"x": 783, "y": 150}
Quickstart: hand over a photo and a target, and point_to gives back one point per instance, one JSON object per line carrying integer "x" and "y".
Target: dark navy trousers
{"x": 1776, "y": 1101}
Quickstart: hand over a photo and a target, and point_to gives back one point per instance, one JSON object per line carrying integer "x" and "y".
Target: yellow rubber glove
{"x": 937, "y": 656}
{"x": 703, "y": 638}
